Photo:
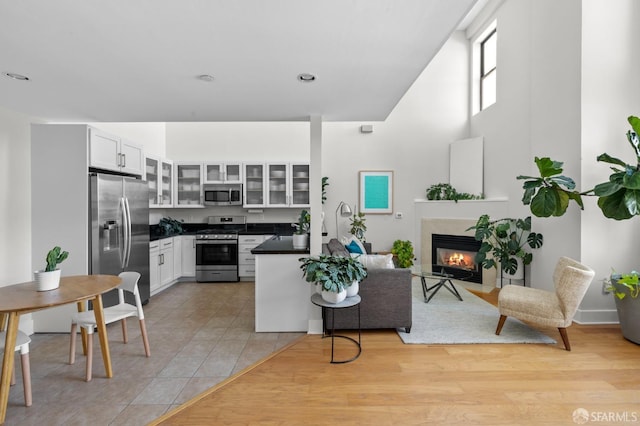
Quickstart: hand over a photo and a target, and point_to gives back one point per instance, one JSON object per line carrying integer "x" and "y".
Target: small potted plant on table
{"x": 49, "y": 278}
{"x": 333, "y": 275}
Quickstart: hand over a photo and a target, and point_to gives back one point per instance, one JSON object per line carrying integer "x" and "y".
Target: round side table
{"x": 317, "y": 300}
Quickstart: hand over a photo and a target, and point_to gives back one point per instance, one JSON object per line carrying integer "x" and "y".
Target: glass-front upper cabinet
{"x": 288, "y": 185}
{"x": 254, "y": 184}
{"x": 188, "y": 184}
{"x": 299, "y": 180}
{"x": 222, "y": 173}
{"x": 159, "y": 175}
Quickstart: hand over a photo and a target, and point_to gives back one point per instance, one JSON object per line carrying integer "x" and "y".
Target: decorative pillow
{"x": 336, "y": 248}
{"x": 351, "y": 238}
{"x": 375, "y": 261}
{"x": 353, "y": 247}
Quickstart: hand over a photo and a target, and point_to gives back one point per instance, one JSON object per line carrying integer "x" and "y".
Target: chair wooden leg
{"x": 565, "y": 338}
{"x": 89, "y": 356}
{"x": 124, "y": 330}
{"x": 13, "y": 376}
{"x": 501, "y": 321}
{"x": 26, "y": 378}
{"x": 145, "y": 340}
{"x": 72, "y": 344}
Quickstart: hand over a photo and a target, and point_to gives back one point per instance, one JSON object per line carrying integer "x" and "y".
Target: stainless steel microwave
{"x": 223, "y": 194}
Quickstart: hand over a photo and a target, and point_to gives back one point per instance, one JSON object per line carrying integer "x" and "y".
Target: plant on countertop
{"x": 505, "y": 239}
{"x": 358, "y": 228}
{"x": 170, "y": 226}
{"x": 444, "y": 191}
{"x": 55, "y": 257}
{"x": 332, "y": 273}
{"x": 403, "y": 251}
{"x": 325, "y": 183}
{"x": 304, "y": 223}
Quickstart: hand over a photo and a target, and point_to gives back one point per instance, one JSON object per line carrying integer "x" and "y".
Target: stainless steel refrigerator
{"x": 119, "y": 229}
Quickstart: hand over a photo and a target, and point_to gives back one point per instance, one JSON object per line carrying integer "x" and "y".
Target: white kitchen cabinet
{"x": 110, "y": 152}
{"x": 159, "y": 175}
{"x": 188, "y": 256}
{"x": 222, "y": 173}
{"x": 188, "y": 185}
{"x": 287, "y": 185}
{"x": 161, "y": 264}
{"x": 177, "y": 257}
{"x": 246, "y": 260}
{"x": 254, "y": 185}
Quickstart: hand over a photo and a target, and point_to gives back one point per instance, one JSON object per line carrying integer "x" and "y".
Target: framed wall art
{"x": 376, "y": 191}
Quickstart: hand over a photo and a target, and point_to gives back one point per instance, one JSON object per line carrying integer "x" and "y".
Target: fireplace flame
{"x": 458, "y": 259}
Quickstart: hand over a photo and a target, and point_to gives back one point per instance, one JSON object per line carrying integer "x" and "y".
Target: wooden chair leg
{"x": 26, "y": 378}
{"x": 89, "y": 356}
{"x": 13, "y": 376}
{"x": 124, "y": 330}
{"x": 145, "y": 340}
{"x": 565, "y": 338}
{"x": 72, "y": 344}
{"x": 501, "y": 321}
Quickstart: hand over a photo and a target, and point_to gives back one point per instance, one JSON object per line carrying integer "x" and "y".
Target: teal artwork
{"x": 376, "y": 192}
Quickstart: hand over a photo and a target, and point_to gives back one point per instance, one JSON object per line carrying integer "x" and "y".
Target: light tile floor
{"x": 199, "y": 334}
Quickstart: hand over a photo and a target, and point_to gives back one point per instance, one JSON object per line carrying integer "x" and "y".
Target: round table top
{"x": 25, "y": 297}
{"x": 426, "y": 271}
{"x": 317, "y": 299}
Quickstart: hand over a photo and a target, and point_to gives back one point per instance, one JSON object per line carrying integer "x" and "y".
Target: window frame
{"x": 486, "y": 73}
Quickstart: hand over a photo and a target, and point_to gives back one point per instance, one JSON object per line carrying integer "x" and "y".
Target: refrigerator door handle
{"x": 127, "y": 230}
{"x": 123, "y": 245}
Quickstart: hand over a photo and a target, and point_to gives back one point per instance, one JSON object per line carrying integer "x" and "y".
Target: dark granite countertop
{"x": 156, "y": 233}
{"x": 279, "y": 245}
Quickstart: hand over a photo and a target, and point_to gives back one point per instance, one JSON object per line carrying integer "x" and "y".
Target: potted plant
{"x": 444, "y": 191}
{"x": 332, "y": 274}
{"x": 402, "y": 250}
{"x": 49, "y": 278}
{"x": 506, "y": 239}
{"x": 301, "y": 234}
{"x": 618, "y": 198}
{"x": 358, "y": 227}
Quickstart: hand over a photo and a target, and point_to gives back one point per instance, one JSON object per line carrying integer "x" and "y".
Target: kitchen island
{"x": 283, "y": 297}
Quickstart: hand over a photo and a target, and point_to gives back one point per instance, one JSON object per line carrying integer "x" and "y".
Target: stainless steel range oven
{"x": 216, "y": 257}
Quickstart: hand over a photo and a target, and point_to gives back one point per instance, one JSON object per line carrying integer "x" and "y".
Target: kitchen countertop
{"x": 280, "y": 244}
{"x": 249, "y": 229}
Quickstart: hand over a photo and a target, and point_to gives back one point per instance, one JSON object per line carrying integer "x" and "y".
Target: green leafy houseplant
{"x": 358, "y": 227}
{"x": 170, "y": 226}
{"x": 54, "y": 258}
{"x": 303, "y": 224}
{"x": 403, "y": 251}
{"x": 332, "y": 273}
{"x": 444, "y": 191}
{"x": 618, "y": 198}
{"x": 505, "y": 240}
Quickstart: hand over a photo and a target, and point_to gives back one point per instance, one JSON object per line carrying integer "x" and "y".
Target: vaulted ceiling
{"x": 140, "y": 61}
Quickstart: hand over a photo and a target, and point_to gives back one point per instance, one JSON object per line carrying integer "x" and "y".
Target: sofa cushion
{"x": 375, "y": 261}
{"x": 352, "y": 239}
{"x": 354, "y": 248}
{"x": 336, "y": 248}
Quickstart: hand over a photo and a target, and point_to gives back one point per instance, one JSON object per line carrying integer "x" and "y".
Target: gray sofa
{"x": 385, "y": 294}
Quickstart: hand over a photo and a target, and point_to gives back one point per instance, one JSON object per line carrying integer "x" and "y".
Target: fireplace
{"x": 455, "y": 255}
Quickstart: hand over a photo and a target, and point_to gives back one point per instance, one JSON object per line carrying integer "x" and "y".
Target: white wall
{"x": 413, "y": 142}
{"x": 610, "y": 93}
{"x": 15, "y": 198}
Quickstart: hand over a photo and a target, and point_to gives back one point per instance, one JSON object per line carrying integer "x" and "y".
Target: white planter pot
{"x": 300, "y": 241}
{"x": 47, "y": 280}
{"x": 519, "y": 275}
{"x": 332, "y": 297}
{"x": 353, "y": 289}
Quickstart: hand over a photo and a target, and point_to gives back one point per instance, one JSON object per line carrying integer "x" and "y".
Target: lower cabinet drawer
{"x": 247, "y": 270}
{"x": 244, "y": 258}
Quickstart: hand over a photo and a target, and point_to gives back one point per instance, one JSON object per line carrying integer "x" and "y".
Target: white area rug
{"x": 446, "y": 320}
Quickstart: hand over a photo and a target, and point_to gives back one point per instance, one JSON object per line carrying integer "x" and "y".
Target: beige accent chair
{"x": 555, "y": 309}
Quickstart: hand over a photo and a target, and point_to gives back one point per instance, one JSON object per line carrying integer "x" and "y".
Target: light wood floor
{"x": 394, "y": 383}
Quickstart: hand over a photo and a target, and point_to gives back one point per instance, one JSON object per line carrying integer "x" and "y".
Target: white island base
{"x": 283, "y": 297}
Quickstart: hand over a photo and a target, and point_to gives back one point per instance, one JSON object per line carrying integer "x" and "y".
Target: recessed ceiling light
{"x": 306, "y": 77}
{"x": 205, "y": 77}
{"x": 16, "y": 76}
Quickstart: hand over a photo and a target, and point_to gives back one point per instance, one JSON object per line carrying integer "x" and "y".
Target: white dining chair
{"x": 119, "y": 312}
{"x": 22, "y": 345}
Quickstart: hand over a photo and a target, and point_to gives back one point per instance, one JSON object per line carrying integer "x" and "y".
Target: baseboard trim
{"x": 596, "y": 316}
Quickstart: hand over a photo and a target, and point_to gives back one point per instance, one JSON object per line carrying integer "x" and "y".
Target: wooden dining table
{"x": 24, "y": 298}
